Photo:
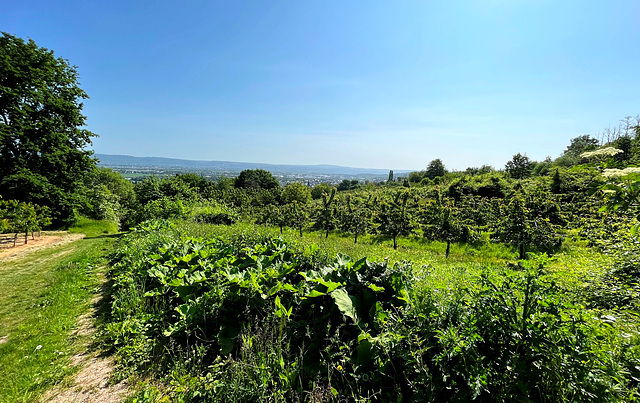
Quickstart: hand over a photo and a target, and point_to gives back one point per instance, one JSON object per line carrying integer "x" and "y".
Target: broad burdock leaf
{"x": 344, "y": 303}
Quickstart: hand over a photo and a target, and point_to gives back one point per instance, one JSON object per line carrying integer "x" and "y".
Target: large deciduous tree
{"x": 43, "y": 155}
{"x": 256, "y": 179}
{"x": 435, "y": 168}
{"x": 519, "y": 167}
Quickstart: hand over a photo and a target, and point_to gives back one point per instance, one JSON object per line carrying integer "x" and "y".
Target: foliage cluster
{"x": 17, "y": 217}
{"x": 253, "y": 319}
{"x": 42, "y": 145}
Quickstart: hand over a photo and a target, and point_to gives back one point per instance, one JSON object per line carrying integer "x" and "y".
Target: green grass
{"x": 574, "y": 264}
{"x": 41, "y": 296}
{"x": 93, "y": 228}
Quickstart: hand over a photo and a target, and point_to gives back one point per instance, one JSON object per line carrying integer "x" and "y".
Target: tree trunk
{"x": 356, "y": 239}
{"x": 26, "y": 237}
{"x": 448, "y": 249}
{"x": 300, "y": 232}
{"x": 521, "y": 251}
{"x": 15, "y": 239}
{"x": 395, "y": 243}
{"x": 326, "y": 236}
{"x": 281, "y": 230}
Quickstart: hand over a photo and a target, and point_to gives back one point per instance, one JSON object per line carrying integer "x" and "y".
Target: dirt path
{"x": 91, "y": 383}
{"x": 47, "y": 240}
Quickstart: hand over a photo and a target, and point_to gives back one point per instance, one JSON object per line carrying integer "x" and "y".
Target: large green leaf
{"x": 344, "y": 303}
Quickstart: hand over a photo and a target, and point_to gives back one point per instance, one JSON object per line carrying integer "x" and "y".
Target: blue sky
{"x": 374, "y": 84}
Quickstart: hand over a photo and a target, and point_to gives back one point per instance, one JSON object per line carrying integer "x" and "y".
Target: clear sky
{"x": 376, "y": 84}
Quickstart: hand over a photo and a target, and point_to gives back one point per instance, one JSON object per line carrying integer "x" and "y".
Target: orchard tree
{"x": 442, "y": 221}
{"x": 318, "y": 190}
{"x": 297, "y": 215}
{"x": 355, "y": 217}
{"x": 43, "y": 155}
{"x": 295, "y": 192}
{"x": 394, "y": 217}
{"x": 325, "y": 214}
{"x": 20, "y": 217}
{"x": 522, "y": 226}
{"x": 274, "y": 215}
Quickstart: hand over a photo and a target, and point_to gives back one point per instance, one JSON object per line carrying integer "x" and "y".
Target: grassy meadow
{"x": 42, "y": 294}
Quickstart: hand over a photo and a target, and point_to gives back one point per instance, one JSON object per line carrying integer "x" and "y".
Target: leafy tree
{"x": 347, "y": 184}
{"x": 390, "y": 176}
{"x": 295, "y": 192}
{"x": 148, "y": 190}
{"x": 580, "y": 144}
{"x": 297, "y": 215}
{"x": 522, "y": 226}
{"x": 42, "y": 146}
{"x": 520, "y": 166}
{"x": 274, "y": 215}
{"x": 256, "y": 179}
{"x": 107, "y": 195}
{"x": 325, "y": 215}
{"x": 21, "y": 217}
{"x": 416, "y": 177}
{"x": 394, "y": 217}
{"x": 625, "y": 144}
{"x": 435, "y": 168}
{"x": 318, "y": 190}
{"x": 443, "y": 222}
{"x": 577, "y": 146}
{"x": 355, "y": 218}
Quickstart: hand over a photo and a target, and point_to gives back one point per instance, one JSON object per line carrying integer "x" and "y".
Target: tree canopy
{"x": 520, "y": 166}
{"x": 43, "y": 155}
{"x": 436, "y": 168}
{"x": 256, "y": 179}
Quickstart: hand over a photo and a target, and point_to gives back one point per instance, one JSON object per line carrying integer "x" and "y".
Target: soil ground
{"x": 45, "y": 240}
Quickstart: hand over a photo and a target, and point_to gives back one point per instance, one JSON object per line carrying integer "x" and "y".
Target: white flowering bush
{"x": 601, "y": 153}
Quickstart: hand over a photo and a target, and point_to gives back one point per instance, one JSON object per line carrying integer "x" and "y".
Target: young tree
{"x": 297, "y": 216}
{"x": 522, "y": 226}
{"x": 442, "y": 221}
{"x": 394, "y": 217}
{"x": 43, "y": 155}
{"x": 325, "y": 214}
{"x": 274, "y": 215}
{"x": 355, "y": 218}
{"x": 21, "y": 217}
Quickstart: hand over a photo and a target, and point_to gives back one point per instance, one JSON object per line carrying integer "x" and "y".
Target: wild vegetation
{"x": 518, "y": 284}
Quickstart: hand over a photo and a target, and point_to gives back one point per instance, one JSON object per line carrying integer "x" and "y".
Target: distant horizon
{"x": 256, "y": 163}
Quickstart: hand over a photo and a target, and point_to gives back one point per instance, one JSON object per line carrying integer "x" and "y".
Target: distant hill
{"x": 108, "y": 160}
